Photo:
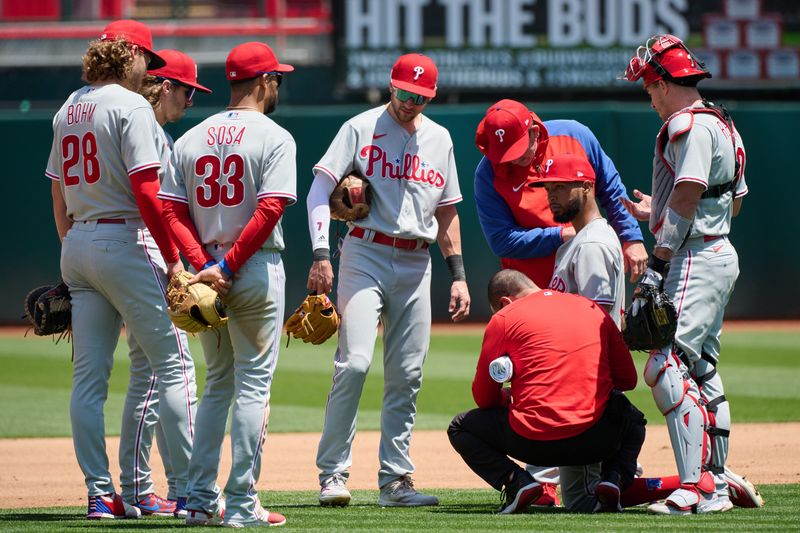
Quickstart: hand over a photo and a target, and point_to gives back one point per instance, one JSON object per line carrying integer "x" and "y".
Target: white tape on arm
{"x": 501, "y": 369}
{"x": 673, "y": 231}
{"x": 319, "y": 211}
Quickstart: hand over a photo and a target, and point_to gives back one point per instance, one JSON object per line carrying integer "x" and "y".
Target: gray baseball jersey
{"x": 591, "y": 265}
{"x": 97, "y": 133}
{"x": 140, "y": 418}
{"x": 221, "y": 168}
{"x": 115, "y": 273}
{"x": 224, "y": 165}
{"x": 704, "y": 270}
{"x": 699, "y": 150}
{"x": 410, "y": 175}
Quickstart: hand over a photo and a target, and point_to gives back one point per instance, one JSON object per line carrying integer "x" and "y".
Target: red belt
{"x": 709, "y": 238}
{"x": 110, "y": 220}
{"x": 397, "y": 242}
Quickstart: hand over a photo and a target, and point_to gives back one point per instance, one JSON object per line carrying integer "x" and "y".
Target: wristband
{"x": 657, "y": 264}
{"x": 209, "y": 264}
{"x": 455, "y": 264}
{"x": 322, "y": 254}
{"x": 225, "y": 268}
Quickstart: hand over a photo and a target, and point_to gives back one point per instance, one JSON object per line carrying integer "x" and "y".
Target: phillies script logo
{"x": 411, "y": 167}
{"x": 500, "y": 133}
{"x": 418, "y": 71}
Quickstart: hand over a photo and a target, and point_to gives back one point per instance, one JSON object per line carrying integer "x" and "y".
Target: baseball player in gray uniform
{"x": 591, "y": 265}
{"x": 384, "y": 272}
{"x": 698, "y": 185}
{"x": 169, "y": 90}
{"x": 116, "y": 253}
{"x": 229, "y": 181}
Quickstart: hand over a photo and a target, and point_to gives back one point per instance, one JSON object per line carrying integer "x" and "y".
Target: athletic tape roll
{"x": 501, "y": 369}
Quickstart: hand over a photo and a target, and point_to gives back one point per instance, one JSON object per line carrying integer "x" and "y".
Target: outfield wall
{"x": 763, "y": 234}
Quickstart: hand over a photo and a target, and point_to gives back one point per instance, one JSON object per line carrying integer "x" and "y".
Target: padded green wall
{"x": 764, "y": 233}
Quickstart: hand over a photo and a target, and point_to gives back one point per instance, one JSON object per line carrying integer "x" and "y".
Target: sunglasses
{"x": 190, "y": 91}
{"x": 404, "y": 96}
{"x": 277, "y": 75}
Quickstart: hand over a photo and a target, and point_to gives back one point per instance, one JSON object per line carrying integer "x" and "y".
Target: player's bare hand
{"x": 567, "y": 232}
{"x": 635, "y": 258}
{"x": 320, "y": 277}
{"x": 174, "y": 268}
{"x": 459, "y": 301}
{"x": 639, "y": 210}
{"x": 215, "y": 277}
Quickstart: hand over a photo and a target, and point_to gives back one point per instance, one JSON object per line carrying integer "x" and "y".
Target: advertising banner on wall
{"x": 519, "y": 45}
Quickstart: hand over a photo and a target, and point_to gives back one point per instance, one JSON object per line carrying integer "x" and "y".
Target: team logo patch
{"x": 547, "y": 165}
{"x": 418, "y": 71}
{"x": 500, "y": 134}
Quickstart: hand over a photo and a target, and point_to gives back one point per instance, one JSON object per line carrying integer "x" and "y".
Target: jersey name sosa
{"x": 411, "y": 167}
{"x": 225, "y": 134}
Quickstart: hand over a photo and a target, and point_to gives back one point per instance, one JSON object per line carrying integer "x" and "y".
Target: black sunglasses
{"x": 277, "y": 75}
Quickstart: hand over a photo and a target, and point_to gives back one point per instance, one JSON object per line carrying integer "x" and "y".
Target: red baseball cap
{"x": 565, "y": 167}
{"x": 180, "y": 67}
{"x": 415, "y": 73}
{"x": 502, "y": 135}
{"x": 133, "y": 32}
{"x": 252, "y": 59}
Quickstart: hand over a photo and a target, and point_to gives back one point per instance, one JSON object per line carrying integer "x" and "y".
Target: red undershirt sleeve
{"x": 256, "y": 232}
{"x": 145, "y": 186}
{"x": 176, "y": 218}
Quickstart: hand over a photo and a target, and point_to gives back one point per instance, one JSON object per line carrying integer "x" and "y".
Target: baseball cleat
{"x": 520, "y": 492}
{"x": 263, "y": 518}
{"x": 199, "y": 517}
{"x": 742, "y": 493}
{"x": 608, "y": 498}
{"x": 401, "y": 493}
{"x": 549, "y": 496}
{"x": 180, "y": 508}
{"x": 152, "y": 505}
{"x": 110, "y": 506}
{"x": 686, "y": 502}
{"x": 333, "y": 492}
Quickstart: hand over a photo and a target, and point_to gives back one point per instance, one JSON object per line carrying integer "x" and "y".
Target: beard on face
{"x": 271, "y": 105}
{"x": 569, "y": 213}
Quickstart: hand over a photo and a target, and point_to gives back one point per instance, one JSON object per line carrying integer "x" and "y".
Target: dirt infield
{"x": 763, "y": 452}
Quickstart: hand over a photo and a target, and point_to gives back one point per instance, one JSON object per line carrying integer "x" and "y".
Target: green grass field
{"x": 460, "y": 510}
{"x": 762, "y": 377}
{"x": 761, "y": 372}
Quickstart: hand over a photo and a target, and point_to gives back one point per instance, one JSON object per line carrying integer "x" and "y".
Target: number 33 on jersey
{"x": 218, "y": 168}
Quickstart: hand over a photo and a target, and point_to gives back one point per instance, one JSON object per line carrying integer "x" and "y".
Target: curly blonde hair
{"x": 107, "y": 60}
{"x": 151, "y": 89}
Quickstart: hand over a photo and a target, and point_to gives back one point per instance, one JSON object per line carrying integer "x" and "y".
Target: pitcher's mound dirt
{"x": 44, "y": 472}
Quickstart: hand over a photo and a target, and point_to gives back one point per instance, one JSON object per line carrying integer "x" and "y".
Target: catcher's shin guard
{"x": 719, "y": 416}
{"x": 677, "y": 397}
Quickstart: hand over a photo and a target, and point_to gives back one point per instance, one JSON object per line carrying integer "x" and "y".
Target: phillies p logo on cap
{"x": 415, "y": 73}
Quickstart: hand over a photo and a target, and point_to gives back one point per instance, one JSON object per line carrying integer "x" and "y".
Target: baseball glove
{"x": 650, "y": 321}
{"x": 351, "y": 198}
{"x": 193, "y": 308}
{"x": 314, "y": 321}
{"x": 49, "y": 310}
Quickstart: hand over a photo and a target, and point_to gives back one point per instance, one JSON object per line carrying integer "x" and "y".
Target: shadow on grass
{"x": 489, "y": 509}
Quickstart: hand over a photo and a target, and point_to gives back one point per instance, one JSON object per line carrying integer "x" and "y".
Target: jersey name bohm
{"x": 413, "y": 168}
{"x": 225, "y": 134}
{"x": 80, "y": 113}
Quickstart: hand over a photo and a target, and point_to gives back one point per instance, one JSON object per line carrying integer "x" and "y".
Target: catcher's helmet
{"x": 665, "y": 57}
